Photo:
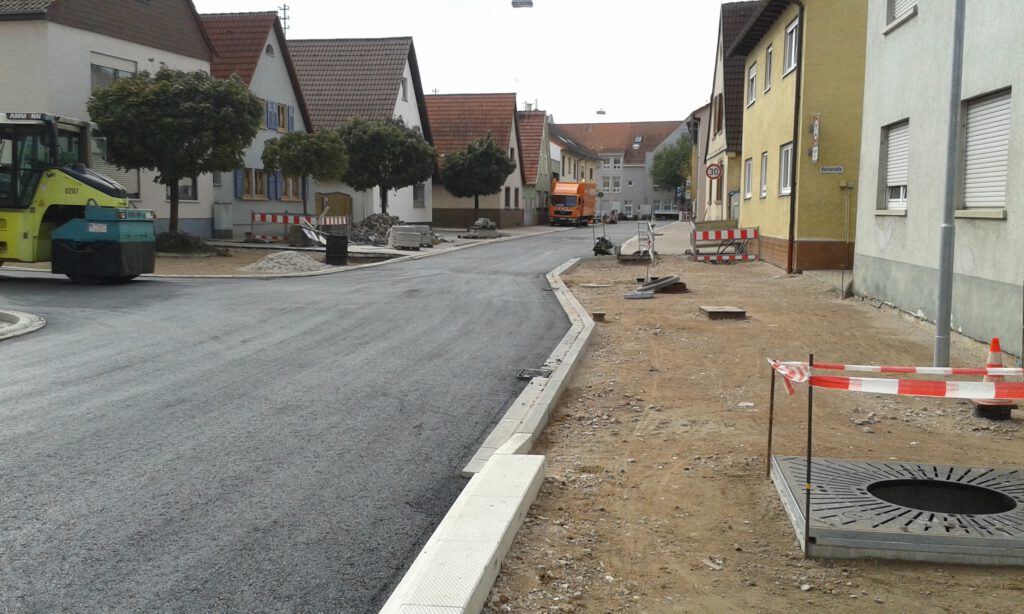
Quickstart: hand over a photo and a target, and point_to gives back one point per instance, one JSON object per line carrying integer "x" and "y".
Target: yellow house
{"x": 803, "y": 97}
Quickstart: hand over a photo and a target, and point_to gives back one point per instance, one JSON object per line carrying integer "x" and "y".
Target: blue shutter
{"x": 280, "y": 184}
{"x": 291, "y": 119}
{"x": 239, "y": 183}
{"x": 272, "y": 186}
{"x": 271, "y": 115}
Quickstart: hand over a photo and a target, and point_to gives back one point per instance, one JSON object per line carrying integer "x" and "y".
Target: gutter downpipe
{"x": 797, "y": 155}
{"x": 947, "y": 230}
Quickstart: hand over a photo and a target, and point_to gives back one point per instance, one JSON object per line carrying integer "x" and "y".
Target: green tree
{"x": 320, "y": 155}
{"x": 671, "y": 165}
{"x": 478, "y": 170}
{"x": 179, "y": 124}
{"x": 385, "y": 153}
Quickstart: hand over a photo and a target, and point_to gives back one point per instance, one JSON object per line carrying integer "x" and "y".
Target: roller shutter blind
{"x": 986, "y": 152}
{"x": 897, "y": 157}
{"x": 129, "y": 179}
{"x": 899, "y": 8}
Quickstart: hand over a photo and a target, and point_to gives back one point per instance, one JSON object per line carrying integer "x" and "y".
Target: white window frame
{"x": 606, "y": 163}
{"x": 789, "y": 56}
{"x": 752, "y": 84}
{"x": 895, "y": 196}
{"x": 616, "y": 184}
{"x": 786, "y": 169}
{"x": 764, "y": 174}
{"x": 768, "y": 53}
{"x": 748, "y": 178}
{"x": 616, "y": 162}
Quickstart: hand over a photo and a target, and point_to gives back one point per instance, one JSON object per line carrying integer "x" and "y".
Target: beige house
{"x": 725, "y": 130}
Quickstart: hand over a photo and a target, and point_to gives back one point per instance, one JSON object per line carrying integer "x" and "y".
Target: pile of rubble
{"x": 285, "y": 262}
{"x": 374, "y": 229}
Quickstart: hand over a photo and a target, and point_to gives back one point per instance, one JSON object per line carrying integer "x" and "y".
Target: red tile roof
{"x": 620, "y": 137}
{"x": 345, "y": 78}
{"x": 531, "y": 139}
{"x": 734, "y": 70}
{"x": 459, "y": 119}
{"x": 240, "y": 40}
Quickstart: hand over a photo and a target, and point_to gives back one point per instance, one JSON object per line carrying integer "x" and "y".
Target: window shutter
{"x": 901, "y": 8}
{"x": 281, "y": 184}
{"x": 239, "y": 183}
{"x": 897, "y": 157}
{"x": 271, "y": 115}
{"x": 986, "y": 152}
{"x": 291, "y": 119}
{"x": 272, "y": 192}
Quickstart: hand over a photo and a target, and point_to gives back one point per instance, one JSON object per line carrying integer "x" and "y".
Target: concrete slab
{"x": 904, "y": 510}
{"x": 723, "y": 312}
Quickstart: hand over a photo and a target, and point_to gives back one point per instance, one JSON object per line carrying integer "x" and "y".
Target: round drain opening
{"x": 942, "y": 497}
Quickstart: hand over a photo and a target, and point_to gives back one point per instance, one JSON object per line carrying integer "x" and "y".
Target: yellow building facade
{"x": 803, "y": 96}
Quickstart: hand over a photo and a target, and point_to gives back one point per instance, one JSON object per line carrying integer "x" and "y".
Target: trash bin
{"x": 337, "y": 250}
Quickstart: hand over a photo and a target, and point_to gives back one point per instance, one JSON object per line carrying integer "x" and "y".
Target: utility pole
{"x": 947, "y": 231}
{"x": 284, "y": 17}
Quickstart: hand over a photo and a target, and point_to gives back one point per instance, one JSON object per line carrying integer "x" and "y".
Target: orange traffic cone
{"x": 994, "y": 409}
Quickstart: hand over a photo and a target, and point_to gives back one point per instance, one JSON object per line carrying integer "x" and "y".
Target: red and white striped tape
{"x": 827, "y": 366}
{"x": 801, "y": 373}
{"x": 281, "y": 218}
{"x": 333, "y": 220}
{"x": 272, "y": 238}
{"x": 724, "y": 257}
{"x": 723, "y": 235}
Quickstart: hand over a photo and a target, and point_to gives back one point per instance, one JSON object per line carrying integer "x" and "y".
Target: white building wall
{"x": 68, "y": 75}
{"x": 897, "y": 256}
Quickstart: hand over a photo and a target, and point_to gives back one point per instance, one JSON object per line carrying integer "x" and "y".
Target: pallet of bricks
{"x": 724, "y": 245}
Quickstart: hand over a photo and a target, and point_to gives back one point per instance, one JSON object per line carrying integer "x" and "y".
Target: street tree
{"x": 478, "y": 170}
{"x": 385, "y": 153}
{"x": 320, "y": 155}
{"x": 179, "y": 124}
{"x": 671, "y": 165}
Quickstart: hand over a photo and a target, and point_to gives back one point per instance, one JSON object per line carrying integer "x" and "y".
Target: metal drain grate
{"x": 849, "y": 521}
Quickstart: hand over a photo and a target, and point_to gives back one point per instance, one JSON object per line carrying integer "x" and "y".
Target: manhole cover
{"x": 902, "y": 510}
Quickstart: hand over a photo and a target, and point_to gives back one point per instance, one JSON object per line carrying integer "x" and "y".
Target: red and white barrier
{"x": 725, "y": 235}
{"x": 281, "y": 218}
{"x": 795, "y": 372}
{"x": 724, "y": 257}
{"x": 978, "y": 371}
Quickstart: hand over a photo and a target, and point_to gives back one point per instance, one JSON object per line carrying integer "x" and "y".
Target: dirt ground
{"x": 655, "y": 497}
{"x": 202, "y": 265}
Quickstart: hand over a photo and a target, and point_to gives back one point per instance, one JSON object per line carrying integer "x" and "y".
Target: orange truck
{"x": 572, "y": 203}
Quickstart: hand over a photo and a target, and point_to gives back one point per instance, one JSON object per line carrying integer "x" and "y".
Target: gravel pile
{"x": 285, "y": 262}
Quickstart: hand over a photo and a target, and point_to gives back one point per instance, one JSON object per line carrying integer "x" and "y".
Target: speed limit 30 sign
{"x": 714, "y": 171}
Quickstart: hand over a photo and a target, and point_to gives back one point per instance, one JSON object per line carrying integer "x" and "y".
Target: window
{"x": 405, "y": 89}
{"x": 616, "y": 184}
{"x": 516, "y": 200}
{"x": 512, "y": 152}
{"x": 768, "y": 68}
{"x": 751, "y": 84}
{"x": 616, "y": 163}
{"x": 282, "y": 118}
{"x": 217, "y": 180}
{"x": 764, "y": 174}
{"x": 790, "y": 52}
{"x": 259, "y": 183}
{"x": 291, "y": 188}
{"x": 898, "y": 9}
{"x": 629, "y": 184}
{"x": 186, "y": 190}
{"x": 606, "y": 183}
{"x": 748, "y": 177}
{"x": 419, "y": 196}
{"x": 508, "y": 197}
{"x": 270, "y": 50}
{"x": 606, "y": 163}
{"x": 786, "y": 169}
{"x": 591, "y": 171}
{"x": 718, "y": 111}
{"x": 105, "y": 69}
{"x": 986, "y": 151}
{"x": 253, "y": 184}
{"x": 897, "y": 165}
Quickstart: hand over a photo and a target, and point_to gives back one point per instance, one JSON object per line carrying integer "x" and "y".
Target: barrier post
{"x": 807, "y": 485}
{"x": 771, "y": 423}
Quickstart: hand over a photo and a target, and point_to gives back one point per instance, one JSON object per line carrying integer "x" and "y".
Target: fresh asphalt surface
{"x": 256, "y": 446}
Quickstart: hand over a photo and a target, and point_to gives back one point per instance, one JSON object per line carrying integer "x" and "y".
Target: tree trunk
{"x": 173, "y": 226}
{"x": 302, "y": 190}
{"x": 383, "y": 200}
{"x": 476, "y": 207}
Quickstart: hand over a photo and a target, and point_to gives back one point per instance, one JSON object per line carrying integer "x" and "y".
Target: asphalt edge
{"x": 19, "y": 323}
{"x": 457, "y": 567}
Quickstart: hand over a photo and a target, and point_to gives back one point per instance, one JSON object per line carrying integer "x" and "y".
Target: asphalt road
{"x": 256, "y": 446}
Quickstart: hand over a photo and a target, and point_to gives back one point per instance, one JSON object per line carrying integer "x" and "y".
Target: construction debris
{"x": 285, "y": 262}
{"x": 603, "y": 246}
{"x": 374, "y": 229}
{"x": 483, "y": 228}
{"x": 665, "y": 285}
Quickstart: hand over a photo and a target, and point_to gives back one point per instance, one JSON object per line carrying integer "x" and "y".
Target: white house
{"x": 372, "y": 79}
{"x": 903, "y": 163}
{"x": 54, "y": 55}
{"x": 252, "y": 47}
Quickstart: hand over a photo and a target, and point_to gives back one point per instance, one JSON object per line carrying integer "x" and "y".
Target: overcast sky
{"x": 639, "y": 60}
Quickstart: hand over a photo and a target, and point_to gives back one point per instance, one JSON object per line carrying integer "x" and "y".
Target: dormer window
{"x": 270, "y": 50}
{"x": 637, "y": 141}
